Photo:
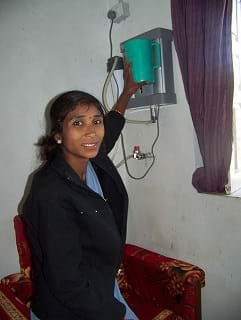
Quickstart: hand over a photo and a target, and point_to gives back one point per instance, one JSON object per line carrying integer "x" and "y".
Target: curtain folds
{"x": 202, "y": 36}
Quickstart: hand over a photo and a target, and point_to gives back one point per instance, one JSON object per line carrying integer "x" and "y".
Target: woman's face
{"x": 82, "y": 133}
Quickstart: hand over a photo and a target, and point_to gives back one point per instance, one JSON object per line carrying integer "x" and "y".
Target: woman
{"x": 76, "y": 211}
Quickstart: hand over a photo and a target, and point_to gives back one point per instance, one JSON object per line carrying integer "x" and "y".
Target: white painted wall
{"x": 166, "y": 213}
{"x": 47, "y": 47}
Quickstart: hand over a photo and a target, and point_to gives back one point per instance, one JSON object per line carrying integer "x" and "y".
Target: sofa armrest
{"x": 10, "y": 306}
{"x": 159, "y": 282}
{"x": 20, "y": 286}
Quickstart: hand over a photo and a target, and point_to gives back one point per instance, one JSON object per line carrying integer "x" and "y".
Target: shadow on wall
{"x": 30, "y": 177}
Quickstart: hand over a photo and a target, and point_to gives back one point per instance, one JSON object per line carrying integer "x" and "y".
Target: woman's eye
{"x": 77, "y": 123}
{"x": 98, "y": 121}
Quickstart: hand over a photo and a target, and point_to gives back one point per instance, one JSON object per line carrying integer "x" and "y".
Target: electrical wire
{"x": 152, "y": 150}
{"x": 110, "y": 38}
{"x": 106, "y": 84}
{"x": 108, "y": 78}
{"x": 117, "y": 87}
{"x": 111, "y": 54}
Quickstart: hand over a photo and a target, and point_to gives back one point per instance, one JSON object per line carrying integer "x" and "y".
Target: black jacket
{"x": 77, "y": 237}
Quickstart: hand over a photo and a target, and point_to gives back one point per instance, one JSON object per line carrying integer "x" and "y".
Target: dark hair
{"x": 55, "y": 115}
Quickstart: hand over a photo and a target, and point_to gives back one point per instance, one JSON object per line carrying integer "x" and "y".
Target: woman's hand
{"x": 130, "y": 87}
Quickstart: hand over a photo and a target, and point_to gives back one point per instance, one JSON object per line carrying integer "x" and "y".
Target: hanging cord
{"x": 111, "y": 53}
{"x": 111, "y": 16}
{"x": 117, "y": 87}
{"x": 152, "y": 150}
{"x": 112, "y": 89}
{"x": 110, "y": 37}
{"x": 106, "y": 84}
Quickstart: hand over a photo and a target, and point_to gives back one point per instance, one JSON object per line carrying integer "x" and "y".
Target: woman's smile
{"x": 90, "y": 146}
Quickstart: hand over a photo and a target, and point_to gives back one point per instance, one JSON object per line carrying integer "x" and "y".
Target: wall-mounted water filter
{"x": 142, "y": 54}
{"x": 150, "y": 54}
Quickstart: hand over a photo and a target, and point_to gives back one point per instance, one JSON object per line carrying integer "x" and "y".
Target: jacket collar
{"x": 62, "y": 167}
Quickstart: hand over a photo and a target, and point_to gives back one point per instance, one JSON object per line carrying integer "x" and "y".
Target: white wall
{"x": 46, "y": 47}
{"x": 50, "y": 46}
{"x": 166, "y": 213}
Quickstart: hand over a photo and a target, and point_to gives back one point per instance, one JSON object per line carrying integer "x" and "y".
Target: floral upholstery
{"x": 155, "y": 286}
{"x": 20, "y": 286}
{"x": 11, "y": 308}
{"x": 22, "y": 246}
{"x": 16, "y": 289}
{"x": 158, "y": 287}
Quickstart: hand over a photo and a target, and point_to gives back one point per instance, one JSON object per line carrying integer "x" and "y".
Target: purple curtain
{"x": 202, "y": 36}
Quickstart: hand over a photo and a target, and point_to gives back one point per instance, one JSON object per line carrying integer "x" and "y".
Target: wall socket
{"x": 122, "y": 11}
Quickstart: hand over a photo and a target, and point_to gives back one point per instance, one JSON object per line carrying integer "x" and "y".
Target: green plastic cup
{"x": 144, "y": 56}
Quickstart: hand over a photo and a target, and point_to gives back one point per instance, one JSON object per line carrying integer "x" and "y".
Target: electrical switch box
{"x": 121, "y": 10}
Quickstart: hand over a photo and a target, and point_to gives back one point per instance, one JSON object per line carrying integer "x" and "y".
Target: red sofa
{"x": 155, "y": 286}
